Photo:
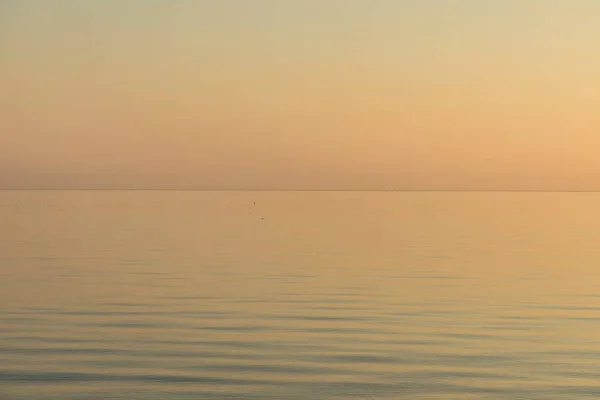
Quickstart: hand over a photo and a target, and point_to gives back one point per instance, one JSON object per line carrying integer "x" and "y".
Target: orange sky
{"x": 288, "y": 94}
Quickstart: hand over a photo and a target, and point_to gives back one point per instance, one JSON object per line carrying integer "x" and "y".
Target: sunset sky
{"x": 300, "y": 94}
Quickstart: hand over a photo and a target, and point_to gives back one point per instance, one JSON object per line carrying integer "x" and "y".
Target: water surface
{"x": 299, "y": 295}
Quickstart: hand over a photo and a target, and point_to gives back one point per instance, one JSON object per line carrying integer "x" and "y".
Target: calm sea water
{"x": 299, "y": 295}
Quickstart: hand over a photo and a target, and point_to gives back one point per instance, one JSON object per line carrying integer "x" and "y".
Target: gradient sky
{"x": 300, "y": 94}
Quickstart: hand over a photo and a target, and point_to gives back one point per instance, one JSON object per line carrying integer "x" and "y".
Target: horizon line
{"x": 297, "y": 190}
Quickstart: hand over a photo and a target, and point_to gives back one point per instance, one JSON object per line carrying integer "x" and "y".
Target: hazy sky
{"x": 305, "y": 94}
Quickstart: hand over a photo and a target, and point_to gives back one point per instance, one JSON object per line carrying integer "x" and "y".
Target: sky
{"x": 300, "y": 94}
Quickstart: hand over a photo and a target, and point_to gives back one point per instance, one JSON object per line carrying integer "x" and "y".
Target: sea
{"x": 266, "y": 295}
